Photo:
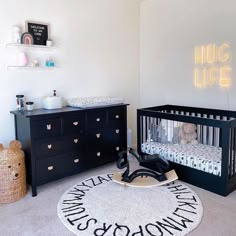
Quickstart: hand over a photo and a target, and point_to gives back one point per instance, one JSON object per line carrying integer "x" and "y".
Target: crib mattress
{"x": 202, "y": 157}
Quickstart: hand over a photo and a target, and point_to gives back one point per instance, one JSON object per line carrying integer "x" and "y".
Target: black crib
{"x": 214, "y": 127}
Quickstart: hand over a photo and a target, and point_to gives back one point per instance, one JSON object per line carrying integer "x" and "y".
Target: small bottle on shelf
{"x": 50, "y": 62}
{"x": 20, "y": 102}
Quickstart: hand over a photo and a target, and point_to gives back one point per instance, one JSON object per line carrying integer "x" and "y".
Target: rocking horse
{"x": 154, "y": 174}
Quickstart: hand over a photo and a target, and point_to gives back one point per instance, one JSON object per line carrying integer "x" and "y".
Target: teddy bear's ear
{"x": 15, "y": 144}
{"x": 1, "y": 147}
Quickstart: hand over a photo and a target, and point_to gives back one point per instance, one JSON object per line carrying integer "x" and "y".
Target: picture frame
{"x": 39, "y": 31}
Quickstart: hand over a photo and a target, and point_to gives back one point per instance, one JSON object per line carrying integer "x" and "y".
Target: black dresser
{"x": 66, "y": 141}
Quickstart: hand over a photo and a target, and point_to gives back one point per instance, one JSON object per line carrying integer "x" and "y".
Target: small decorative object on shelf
{"x": 22, "y": 59}
{"x": 20, "y": 102}
{"x": 16, "y": 34}
{"x": 49, "y": 43}
{"x": 35, "y": 63}
{"x": 50, "y": 63}
{"x": 27, "y": 38}
{"x": 29, "y": 106}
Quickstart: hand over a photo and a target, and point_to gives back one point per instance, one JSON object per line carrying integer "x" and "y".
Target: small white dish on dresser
{"x": 52, "y": 102}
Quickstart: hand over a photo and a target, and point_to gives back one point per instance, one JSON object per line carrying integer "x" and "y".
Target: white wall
{"x": 169, "y": 31}
{"x": 98, "y": 51}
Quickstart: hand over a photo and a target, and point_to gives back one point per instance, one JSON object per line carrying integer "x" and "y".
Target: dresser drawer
{"x": 46, "y": 128}
{"x": 97, "y": 155}
{"x": 57, "y": 167}
{"x": 116, "y": 148}
{"x": 55, "y": 146}
{"x": 115, "y": 135}
{"x": 116, "y": 116}
{"x": 97, "y": 136}
{"x": 96, "y": 118}
{"x": 74, "y": 123}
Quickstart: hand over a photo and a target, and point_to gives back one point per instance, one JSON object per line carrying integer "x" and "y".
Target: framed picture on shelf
{"x": 39, "y": 31}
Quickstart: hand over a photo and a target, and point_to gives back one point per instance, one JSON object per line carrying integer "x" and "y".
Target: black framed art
{"x": 39, "y": 31}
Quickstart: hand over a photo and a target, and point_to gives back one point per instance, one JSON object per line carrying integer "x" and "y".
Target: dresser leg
{"x": 34, "y": 191}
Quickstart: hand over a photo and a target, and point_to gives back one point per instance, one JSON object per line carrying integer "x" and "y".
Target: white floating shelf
{"x": 28, "y": 46}
{"x": 32, "y": 68}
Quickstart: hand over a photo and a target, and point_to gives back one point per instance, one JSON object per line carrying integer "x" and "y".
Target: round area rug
{"x": 98, "y": 206}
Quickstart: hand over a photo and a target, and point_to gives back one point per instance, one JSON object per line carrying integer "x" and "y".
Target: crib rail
{"x": 193, "y": 110}
{"x": 232, "y": 153}
{"x": 195, "y": 118}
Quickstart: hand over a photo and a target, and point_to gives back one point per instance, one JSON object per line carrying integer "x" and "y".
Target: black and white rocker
{"x": 155, "y": 171}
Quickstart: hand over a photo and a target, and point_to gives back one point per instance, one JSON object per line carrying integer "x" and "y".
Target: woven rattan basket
{"x": 12, "y": 173}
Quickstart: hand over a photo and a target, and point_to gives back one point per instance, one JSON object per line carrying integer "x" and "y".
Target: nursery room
{"x": 118, "y": 118}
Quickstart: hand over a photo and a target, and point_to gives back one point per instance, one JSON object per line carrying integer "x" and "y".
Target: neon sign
{"x": 212, "y": 65}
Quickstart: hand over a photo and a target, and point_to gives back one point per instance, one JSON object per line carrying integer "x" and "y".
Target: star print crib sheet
{"x": 202, "y": 157}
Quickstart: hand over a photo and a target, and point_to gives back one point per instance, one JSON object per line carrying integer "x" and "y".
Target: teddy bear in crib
{"x": 188, "y": 134}
{"x": 12, "y": 173}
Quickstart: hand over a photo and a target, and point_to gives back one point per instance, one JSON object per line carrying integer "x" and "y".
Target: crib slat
{"x": 207, "y": 132}
{"x": 141, "y": 128}
{"x": 213, "y": 133}
{"x": 220, "y": 133}
{"x": 234, "y": 151}
{"x": 210, "y": 142}
{"x": 148, "y": 128}
{"x": 156, "y": 128}
{"x": 144, "y": 129}
{"x": 230, "y": 151}
{"x": 202, "y": 131}
{"x": 198, "y": 130}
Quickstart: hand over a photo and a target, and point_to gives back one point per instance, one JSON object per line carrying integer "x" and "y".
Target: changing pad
{"x": 84, "y": 102}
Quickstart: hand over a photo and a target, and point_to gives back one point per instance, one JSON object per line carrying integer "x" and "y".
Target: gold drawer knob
{"x": 49, "y": 146}
{"x": 117, "y": 131}
{"x": 50, "y": 167}
{"x": 98, "y": 135}
{"x": 98, "y": 154}
{"x": 75, "y": 123}
{"x": 117, "y": 148}
{"x": 49, "y": 127}
{"x": 117, "y": 116}
{"x": 76, "y": 140}
{"x": 76, "y": 160}
{"x": 98, "y": 119}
